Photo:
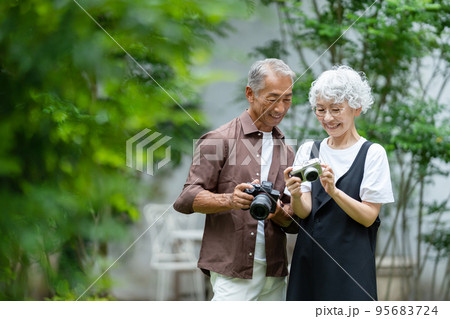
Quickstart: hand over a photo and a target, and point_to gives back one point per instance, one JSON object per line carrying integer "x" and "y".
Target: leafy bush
{"x": 70, "y": 98}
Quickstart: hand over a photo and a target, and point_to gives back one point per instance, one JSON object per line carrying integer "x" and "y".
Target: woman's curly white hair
{"x": 340, "y": 84}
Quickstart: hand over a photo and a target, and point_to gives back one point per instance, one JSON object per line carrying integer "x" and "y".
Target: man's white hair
{"x": 340, "y": 84}
{"x": 260, "y": 69}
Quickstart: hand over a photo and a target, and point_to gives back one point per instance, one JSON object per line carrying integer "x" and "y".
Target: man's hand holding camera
{"x": 282, "y": 215}
{"x": 240, "y": 199}
{"x": 264, "y": 203}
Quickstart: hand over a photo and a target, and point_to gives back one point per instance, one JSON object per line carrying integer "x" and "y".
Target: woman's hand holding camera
{"x": 327, "y": 180}
{"x": 299, "y": 201}
{"x": 292, "y": 183}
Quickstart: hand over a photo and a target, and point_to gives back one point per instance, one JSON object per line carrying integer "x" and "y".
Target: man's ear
{"x": 249, "y": 94}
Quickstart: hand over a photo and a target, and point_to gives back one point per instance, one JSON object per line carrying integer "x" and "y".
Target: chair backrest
{"x": 165, "y": 229}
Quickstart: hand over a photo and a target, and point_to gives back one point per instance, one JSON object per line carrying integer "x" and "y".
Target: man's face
{"x": 272, "y": 103}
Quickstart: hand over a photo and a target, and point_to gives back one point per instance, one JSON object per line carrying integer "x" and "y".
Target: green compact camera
{"x": 309, "y": 170}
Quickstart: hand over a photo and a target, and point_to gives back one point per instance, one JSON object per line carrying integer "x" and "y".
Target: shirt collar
{"x": 249, "y": 127}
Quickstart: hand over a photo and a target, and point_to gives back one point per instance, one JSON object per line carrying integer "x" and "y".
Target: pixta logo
{"x": 141, "y": 147}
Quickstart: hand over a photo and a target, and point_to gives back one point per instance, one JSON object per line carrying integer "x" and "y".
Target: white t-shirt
{"x": 266, "y": 162}
{"x": 376, "y": 183}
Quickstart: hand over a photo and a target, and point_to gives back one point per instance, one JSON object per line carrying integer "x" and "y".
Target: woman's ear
{"x": 358, "y": 111}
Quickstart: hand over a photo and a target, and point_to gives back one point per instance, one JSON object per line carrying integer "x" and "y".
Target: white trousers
{"x": 260, "y": 287}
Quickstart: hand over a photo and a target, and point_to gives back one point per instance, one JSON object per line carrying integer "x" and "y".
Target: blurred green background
{"x": 71, "y": 97}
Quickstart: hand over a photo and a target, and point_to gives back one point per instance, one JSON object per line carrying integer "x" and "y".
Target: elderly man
{"x": 245, "y": 257}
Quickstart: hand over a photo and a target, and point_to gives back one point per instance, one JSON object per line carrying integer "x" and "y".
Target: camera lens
{"x": 260, "y": 207}
{"x": 311, "y": 174}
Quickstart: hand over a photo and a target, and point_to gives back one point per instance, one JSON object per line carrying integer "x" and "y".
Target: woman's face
{"x": 337, "y": 119}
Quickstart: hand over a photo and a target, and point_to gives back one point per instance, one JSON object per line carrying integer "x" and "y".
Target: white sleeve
{"x": 303, "y": 154}
{"x": 376, "y": 184}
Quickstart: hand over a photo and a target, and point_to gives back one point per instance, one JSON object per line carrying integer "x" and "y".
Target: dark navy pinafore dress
{"x": 346, "y": 270}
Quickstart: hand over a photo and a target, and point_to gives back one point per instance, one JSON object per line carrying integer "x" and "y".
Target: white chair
{"x": 174, "y": 241}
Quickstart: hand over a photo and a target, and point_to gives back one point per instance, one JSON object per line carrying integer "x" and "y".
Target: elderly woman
{"x": 334, "y": 256}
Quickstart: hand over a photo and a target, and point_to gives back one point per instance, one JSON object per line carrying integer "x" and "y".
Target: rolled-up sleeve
{"x": 205, "y": 170}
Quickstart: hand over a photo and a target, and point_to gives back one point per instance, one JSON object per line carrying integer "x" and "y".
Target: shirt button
{"x": 257, "y": 155}
{"x": 257, "y": 174}
{"x": 250, "y": 254}
{"x": 252, "y": 233}
{"x": 259, "y": 134}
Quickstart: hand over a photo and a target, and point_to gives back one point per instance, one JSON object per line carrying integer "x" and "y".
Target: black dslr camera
{"x": 265, "y": 200}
